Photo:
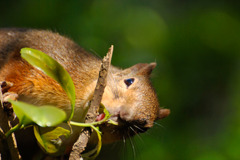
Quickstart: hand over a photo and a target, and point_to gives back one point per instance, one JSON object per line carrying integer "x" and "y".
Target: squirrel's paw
{"x": 5, "y": 86}
{"x": 5, "y": 96}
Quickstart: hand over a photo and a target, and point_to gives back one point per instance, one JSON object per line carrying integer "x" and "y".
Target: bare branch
{"x": 92, "y": 113}
{"x": 8, "y": 146}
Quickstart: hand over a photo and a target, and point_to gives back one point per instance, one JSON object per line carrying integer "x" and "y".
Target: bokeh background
{"x": 196, "y": 44}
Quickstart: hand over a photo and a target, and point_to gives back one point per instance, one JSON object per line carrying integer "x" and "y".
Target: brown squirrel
{"x": 128, "y": 96}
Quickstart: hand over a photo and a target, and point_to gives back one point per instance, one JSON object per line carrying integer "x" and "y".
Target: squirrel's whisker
{"x": 159, "y": 125}
{"x": 132, "y": 145}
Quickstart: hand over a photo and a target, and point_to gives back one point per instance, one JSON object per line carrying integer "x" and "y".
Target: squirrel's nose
{"x": 125, "y": 116}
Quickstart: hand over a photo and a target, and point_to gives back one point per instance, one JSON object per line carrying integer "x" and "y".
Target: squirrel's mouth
{"x": 121, "y": 131}
{"x": 120, "y": 128}
{"x": 133, "y": 126}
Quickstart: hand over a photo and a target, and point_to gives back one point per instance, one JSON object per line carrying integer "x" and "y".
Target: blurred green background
{"x": 196, "y": 45}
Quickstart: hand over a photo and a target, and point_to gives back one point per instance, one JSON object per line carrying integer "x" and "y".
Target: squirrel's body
{"x": 128, "y": 95}
{"x": 34, "y": 86}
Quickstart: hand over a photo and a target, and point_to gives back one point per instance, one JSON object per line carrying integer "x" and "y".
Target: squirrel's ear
{"x": 140, "y": 69}
{"x": 163, "y": 112}
{"x": 143, "y": 68}
{"x": 147, "y": 69}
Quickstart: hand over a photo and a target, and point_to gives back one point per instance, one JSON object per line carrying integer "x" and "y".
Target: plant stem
{"x": 18, "y": 126}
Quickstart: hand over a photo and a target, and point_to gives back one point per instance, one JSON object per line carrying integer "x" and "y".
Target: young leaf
{"x": 53, "y": 69}
{"x": 51, "y": 139}
{"x": 45, "y": 116}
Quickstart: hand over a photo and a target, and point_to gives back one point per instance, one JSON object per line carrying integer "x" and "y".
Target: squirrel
{"x": 129, "y": 96}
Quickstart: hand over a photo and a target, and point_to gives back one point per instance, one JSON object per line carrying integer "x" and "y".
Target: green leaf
{"x": 23, "y": 119}
{"x": 53, "y": 69}
{"x": 44, "y": 116}
{"x": 51, "y": 139}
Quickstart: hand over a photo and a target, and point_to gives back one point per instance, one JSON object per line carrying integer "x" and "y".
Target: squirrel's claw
{"x": 5, "y": 86}
{"x": 5, "y": 96}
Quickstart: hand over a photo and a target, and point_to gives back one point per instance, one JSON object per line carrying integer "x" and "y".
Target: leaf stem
{"x": 89, "y": 124}
{"x": 72, "y": 110}
{"x": 18, "y": 126}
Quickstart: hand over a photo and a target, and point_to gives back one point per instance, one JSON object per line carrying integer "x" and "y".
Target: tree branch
{"x": 8, "y": 145}
{"x": 92, "y": 113}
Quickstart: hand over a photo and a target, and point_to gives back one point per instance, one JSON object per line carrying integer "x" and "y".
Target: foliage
{"x": 44, "y": 116}
{"x": 50, "y": 139}
{"x": 53, "y": 69}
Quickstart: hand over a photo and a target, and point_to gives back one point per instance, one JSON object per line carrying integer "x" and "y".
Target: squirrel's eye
{"x": 129, "y": 81}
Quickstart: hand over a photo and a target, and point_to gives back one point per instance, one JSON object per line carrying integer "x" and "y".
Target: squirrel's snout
{"x": 139, "y": 121}
{"x": 134, "y": 126}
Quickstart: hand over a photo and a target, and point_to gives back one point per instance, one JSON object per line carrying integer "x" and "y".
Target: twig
{"x": 8, "y": 145}
{"x": 92, "y": 113}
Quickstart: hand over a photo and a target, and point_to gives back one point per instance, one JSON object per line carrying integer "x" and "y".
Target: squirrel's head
{"x": 131, "y": 100}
